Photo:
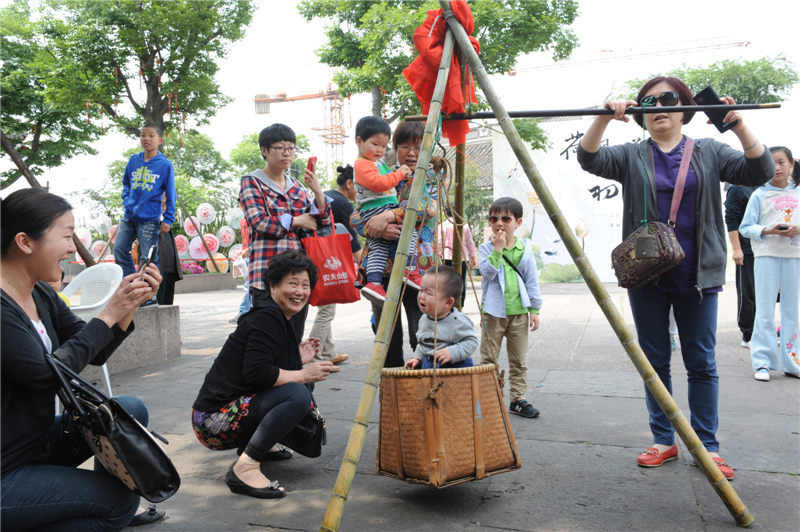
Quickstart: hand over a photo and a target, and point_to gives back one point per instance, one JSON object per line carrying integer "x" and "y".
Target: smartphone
{"x": 312, "y": 162}
{"x": 150, "y": 255}
{"x": 783, "y": 227}
{"x": 709, "y": 96}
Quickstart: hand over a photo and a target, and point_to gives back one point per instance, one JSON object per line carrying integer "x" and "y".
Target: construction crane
{"x": 641, "y": 55}
{"x": 333, "y": 134}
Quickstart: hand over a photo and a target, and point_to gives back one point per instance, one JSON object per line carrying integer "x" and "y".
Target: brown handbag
{"x": 653, "y": 249}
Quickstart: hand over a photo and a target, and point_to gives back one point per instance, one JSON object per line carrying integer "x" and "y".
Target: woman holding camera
{"x": 42, "y": 487}
{"x": 691, "y": 287}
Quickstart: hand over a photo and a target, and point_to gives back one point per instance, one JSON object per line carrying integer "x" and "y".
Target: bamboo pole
{"x": 598, "y": 111}
{"x": 197, "y": 229}
{"x": 650, "y": 377}
{"x": 34, "y": 183}
{"x": 461, "y": 149}
{"x": 347, "y": 471}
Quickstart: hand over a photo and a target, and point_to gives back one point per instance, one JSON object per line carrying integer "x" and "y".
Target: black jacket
{"x": 735, "y": 205}
{"x": 263, "y": 343}
{"x": 28, "y": 383}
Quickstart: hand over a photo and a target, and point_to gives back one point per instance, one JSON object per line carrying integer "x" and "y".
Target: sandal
{"x": 148, "y": 517}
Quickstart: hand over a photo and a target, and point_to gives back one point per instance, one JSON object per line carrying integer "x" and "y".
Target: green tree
{"x": 765, "y": 80}
{"x": 371, "y": 42}
{"x": 202, "y": 174}
{"x": 102, "y": 51}
{"x": 45, "y": 134}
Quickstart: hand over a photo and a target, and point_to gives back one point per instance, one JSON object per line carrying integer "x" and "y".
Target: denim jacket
{"x": 493, "y": 281}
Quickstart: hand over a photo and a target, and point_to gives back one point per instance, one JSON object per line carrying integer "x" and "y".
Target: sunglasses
{"x": 667, "y": 99}
{"x": 506, "y": 219}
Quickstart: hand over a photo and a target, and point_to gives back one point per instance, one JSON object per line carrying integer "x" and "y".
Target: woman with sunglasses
{"x": 691, "y": 287}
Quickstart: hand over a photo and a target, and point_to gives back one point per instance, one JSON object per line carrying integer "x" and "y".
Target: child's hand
{"x": 412, "y": 364}
{"x": 534, "y": 319}
{"x": 406, "y": 171}
{"x": 499, "y": 241}
{"x": 443, "y": 356}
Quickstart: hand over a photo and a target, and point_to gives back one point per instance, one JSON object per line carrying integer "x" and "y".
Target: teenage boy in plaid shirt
{"x": 277, "y": 207}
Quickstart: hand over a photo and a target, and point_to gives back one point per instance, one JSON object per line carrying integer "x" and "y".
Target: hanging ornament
{"x": 115, "y": 111}
{"x": 88, "y": 118}
{"x": 169, "y": 103}
{"x": 116, "y": 75}
{"x": 184, "y": 122}
{"x": 159, "y": 72}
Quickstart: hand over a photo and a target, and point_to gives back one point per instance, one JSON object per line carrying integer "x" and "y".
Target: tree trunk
{"x": 377, "y": 101}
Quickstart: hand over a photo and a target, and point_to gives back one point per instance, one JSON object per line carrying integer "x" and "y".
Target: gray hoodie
{"x": 713, "y": 162}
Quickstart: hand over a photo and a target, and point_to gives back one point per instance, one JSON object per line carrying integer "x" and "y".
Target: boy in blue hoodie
{"x": 148, "y": 176}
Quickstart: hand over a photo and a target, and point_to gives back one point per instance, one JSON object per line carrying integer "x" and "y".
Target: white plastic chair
{"x": 97, "y": 284}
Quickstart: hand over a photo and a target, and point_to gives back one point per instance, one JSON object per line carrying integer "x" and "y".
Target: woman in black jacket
{"x": 37, "y": 230}
{"x": 256, "y": 391}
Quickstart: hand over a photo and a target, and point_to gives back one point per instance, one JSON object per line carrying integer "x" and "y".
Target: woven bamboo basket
{"x": 464, "y": 435}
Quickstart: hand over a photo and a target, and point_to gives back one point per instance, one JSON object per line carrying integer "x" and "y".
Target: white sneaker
{"x": 746, "y": 344}
{"x": 762, "y": 374}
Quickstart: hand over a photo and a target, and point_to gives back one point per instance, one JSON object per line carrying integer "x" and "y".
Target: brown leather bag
{"x": 653, "y": 250}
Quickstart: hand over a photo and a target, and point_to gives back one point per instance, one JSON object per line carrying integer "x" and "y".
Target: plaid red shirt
{"x": 263, "y": 207}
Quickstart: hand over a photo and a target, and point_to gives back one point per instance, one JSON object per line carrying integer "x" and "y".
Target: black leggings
{"x": 280, "y": 410}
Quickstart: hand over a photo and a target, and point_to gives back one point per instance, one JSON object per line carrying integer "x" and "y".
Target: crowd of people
{"x": 260, "y": 385}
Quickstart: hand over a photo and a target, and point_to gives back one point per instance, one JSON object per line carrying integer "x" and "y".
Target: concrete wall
{"x": 205, "y": 282}
{"x": 157, "y": 338}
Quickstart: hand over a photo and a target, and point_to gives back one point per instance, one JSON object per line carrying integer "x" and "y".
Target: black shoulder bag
{"x": 125, "y": 448}
{"x": 308, "y": 437}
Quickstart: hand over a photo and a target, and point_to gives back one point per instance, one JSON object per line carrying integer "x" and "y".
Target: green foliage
{"x": 177, "y": 44}
{"x": 766, "y": 80}
{"x": 529, "y": 130}
{"x": 202, "y": 175}
{"x": 45, "y": 134}
{"x": 371, "y": 42}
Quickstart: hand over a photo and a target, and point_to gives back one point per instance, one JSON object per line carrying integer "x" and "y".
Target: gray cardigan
{"x": 713, "y": 162}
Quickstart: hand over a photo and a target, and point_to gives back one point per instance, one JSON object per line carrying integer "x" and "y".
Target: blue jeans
{"x": 697, "y": 329}
{"x": 427, "y": 363}
{"x": 57, "y": 496}
{"x": 127, "y": 232}
{"x": 246, "y": 303}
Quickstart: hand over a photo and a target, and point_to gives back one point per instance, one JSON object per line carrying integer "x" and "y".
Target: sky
{"x": 277, "y": 55}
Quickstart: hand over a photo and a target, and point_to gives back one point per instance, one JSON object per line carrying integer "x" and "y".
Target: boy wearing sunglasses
{"x": 511, "y": 298}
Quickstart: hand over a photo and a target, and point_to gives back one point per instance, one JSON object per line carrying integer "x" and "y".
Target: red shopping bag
{"x": 336, "y": 269}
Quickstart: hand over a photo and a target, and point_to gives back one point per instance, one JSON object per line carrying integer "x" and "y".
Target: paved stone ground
{"x": 579, "y": 458}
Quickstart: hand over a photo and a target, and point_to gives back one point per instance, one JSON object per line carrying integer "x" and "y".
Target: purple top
{"x": 682, "y": 278}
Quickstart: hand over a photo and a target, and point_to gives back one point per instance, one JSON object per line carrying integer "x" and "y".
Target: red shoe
{"x": 375, "y": 293}
{"x": 724, "y": 467}
{"x": 413, "y": 279}
{"x": 652, "y": 458}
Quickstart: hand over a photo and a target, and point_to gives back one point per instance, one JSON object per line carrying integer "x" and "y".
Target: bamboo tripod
{"x": 344, "y": 481}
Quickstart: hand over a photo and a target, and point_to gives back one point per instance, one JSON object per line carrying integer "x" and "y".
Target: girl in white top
{"x": 772, "y": 223}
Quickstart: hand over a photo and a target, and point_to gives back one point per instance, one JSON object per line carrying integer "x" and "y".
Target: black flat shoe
{"x": 237, "y": 486}
{"x": 148, "y": 517}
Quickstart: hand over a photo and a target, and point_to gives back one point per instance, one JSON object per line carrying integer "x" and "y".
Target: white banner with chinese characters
{"x": 591, "y": 205}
